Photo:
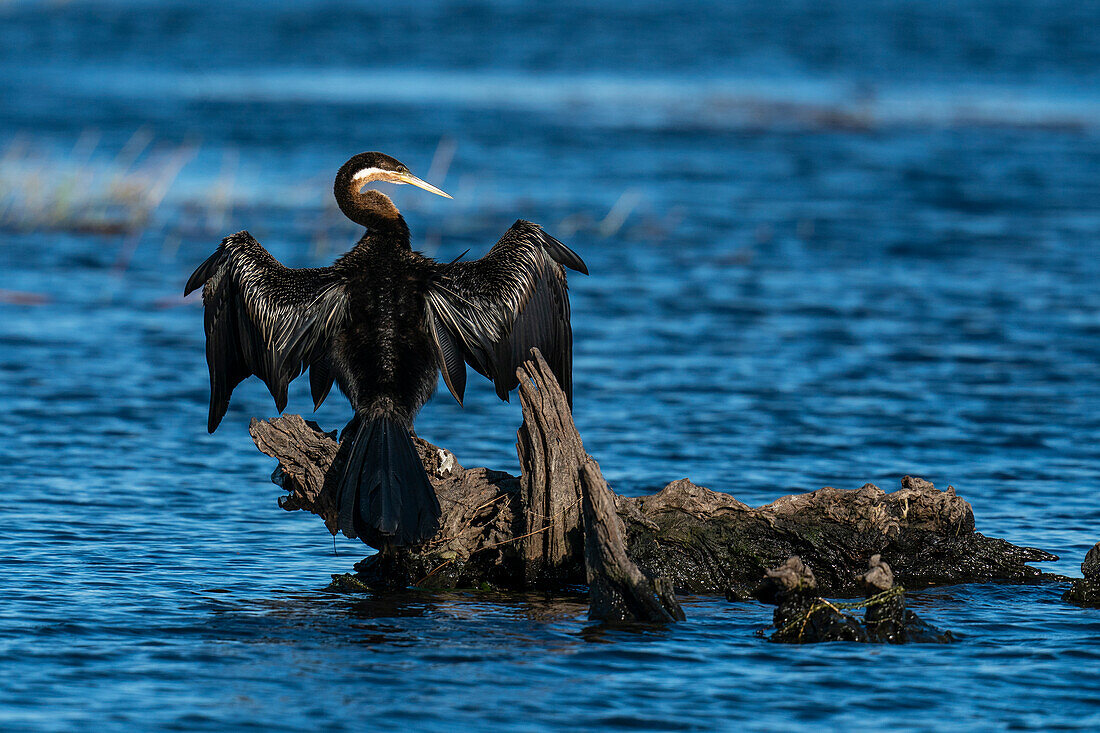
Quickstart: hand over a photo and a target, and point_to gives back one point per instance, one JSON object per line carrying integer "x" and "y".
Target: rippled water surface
{"x": 830, "y": 243}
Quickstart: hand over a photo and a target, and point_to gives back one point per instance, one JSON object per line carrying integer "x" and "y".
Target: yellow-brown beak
{"x": 414, "y": 181}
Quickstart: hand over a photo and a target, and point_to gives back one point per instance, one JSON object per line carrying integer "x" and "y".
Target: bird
{"x": 382, "y": 322}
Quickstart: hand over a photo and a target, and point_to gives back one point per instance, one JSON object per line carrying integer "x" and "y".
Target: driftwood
{"x": 619, "y": 591}
{"x": 511, "y": 532}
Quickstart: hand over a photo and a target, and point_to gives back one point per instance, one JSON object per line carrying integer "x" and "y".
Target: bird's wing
{"x": 489, "y": 313}
{"x": 265, "y": 319}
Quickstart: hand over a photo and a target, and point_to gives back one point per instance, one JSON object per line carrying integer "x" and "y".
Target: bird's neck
{"x": 375, "y": 211}
{"x": 384, "y": 241}
{"x": 386, "y": 235}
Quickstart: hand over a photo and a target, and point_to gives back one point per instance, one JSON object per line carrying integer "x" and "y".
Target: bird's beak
{"x": 413, "y": 180}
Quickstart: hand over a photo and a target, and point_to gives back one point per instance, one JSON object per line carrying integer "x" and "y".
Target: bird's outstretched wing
{"x": 489, "y": 313}
{"x": 265, "y": 319}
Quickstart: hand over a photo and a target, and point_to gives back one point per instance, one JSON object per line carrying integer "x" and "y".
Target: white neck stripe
{"x": 370, "y": 174}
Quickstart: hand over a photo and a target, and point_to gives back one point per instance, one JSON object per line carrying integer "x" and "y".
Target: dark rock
{"x": 1086, "y": 591}
{"x": 1090, "y": 568}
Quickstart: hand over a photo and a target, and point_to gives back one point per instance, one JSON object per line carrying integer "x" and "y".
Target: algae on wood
{"x": 802, "y": 616}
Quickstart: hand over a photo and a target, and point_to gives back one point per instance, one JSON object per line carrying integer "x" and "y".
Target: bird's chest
{"x": 387, "y": 330}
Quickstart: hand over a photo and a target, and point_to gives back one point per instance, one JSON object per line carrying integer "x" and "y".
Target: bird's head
{"x": 371, "y": 208}
{"x": 367, "y": 167}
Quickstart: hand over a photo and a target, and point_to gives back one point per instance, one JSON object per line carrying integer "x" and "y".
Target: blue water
{"x": 830, "y": 242}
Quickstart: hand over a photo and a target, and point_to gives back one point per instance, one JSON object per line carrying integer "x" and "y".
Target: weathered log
{"x": 702, "y": 540}
{"x": 528, "y": 532}
{"x": 618, "y": 590}
{"x": 481, "y": 518}
{"x": 1086, "y": 591}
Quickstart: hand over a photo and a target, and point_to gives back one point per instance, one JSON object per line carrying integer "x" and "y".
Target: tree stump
{"x": 527, "y": 532}
{"x": 551, "y": 455}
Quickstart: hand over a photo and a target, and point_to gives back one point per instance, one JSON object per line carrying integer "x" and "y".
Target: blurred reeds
{"x": 92, "y": 191}
{"x": 85, "y": 193}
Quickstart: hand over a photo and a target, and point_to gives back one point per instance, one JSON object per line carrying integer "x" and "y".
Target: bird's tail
{"x": 384, "y": 488}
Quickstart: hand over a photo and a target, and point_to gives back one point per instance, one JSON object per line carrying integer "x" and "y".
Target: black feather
{"x": 496, "y": 309}
{"x": 384, "y": 488}
{"x": 451, "y": 364}
{"x": 320, "y": 380}
{"x": 264, "y": 319}
{"x": 202, "y": 273}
